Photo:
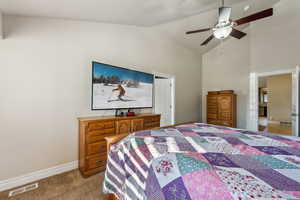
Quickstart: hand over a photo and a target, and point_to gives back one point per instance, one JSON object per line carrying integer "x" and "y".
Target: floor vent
{"x": 23, "y": 189}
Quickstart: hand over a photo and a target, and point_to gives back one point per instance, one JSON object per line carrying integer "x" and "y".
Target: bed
{"x": 198, "y": 161}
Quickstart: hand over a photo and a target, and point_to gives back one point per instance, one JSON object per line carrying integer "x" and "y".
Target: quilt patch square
{"x": 210, "y": 129}
{"x": 164, "y": 175}
{"x": 139, "y": 141}
{"x": 275, "y": 137}
{"x": 199, "y": 140}
{"x": 189, "y": 164}
{"x": 152, "y": 184}
{"x": 183, "y": 145}
{"x": 241, "y": 136}
{"x": 234, "y": 141}
{"x": 276, "y": 180}
{"x": 219, "y": 159}
{"x": 205, "y": 134}
{"x": 273, "y": 162}
{"x": 215, "y": 140}
{"x": 291, "y": 143}
{"x": 292, "y": 138}
{"x": 206, "y": 185}
{"x": 294, "y": 160}
{"x": 144, "y": 133}
{"x": 248, "y": 150}
{"x": 291, "y": 150}
{"x": 144, "y": 150}
{"x": 260, "y": 140}
{"x": 290, "y": 173}
{"x": 243, "y": 185}
{"x": 247, "y": 162}
{"x": 198, "y": 156}
{"x": 176, "y": 190}
{"x": 272, "y": 150}
{"x": 186, "y": 133}
{"x": 184, "y": 129}
{"x": 220, "y": 148}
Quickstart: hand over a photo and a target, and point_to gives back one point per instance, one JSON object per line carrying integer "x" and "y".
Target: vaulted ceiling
{"x": 172, "y": 17}
{"x": 176, "y": 29}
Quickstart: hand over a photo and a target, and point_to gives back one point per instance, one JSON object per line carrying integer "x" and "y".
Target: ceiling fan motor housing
{"x": 222, "y": 30}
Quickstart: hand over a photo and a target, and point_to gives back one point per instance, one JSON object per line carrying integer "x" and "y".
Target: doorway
{"x": 164, "y": 94}
{"x": 274, "y": 102}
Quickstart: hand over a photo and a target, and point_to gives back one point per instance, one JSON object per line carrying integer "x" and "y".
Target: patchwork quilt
{"x": 204, "y": 162}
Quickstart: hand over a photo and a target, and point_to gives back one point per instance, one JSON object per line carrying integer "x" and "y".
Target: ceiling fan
{"x": 225, "y": 26}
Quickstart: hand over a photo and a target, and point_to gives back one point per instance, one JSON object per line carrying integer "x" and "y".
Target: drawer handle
{"x": 101, "y": 147}
{"x": 100, "y": 162}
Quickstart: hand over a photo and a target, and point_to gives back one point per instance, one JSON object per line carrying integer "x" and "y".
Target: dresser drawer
{"x": 213, "y": 107}
{"x": 229, "y": 124}
{"x": 97, "y": 147}
{"x": 148, "y": 120}
{"x": 96, "y": 161}
{"x": 101, "y": 125}
{"x": 212, "y": 116}
{"x": 95, "y": 136}
{"x": 212, "y": 100}
{"x": 156, "y": 119}
{"x": 212, "y": 104}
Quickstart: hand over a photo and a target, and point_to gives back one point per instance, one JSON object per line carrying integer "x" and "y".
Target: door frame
{"x": 173, "y": 79}
{"x": 253, "y": 120}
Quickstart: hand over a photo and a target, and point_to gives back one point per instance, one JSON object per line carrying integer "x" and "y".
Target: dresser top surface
{"x": 83, "y": 119}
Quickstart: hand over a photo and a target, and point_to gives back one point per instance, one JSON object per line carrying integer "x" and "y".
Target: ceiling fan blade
{"x": 224, "y": 14}
{"x": 207, "y": 40}
{"x": 254, "y": 17}
{"x": 198, "y": 31}
{"x": 237, "y": 34}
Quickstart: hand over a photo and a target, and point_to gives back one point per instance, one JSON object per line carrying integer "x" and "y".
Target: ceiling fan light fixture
{"x": 222, "y": 32}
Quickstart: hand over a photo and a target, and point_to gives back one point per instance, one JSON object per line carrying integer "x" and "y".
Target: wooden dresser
{"x": 92, "y": 130}
{"x": 221, "y": 108}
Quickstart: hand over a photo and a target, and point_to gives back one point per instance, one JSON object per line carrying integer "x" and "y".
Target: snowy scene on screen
{"x": 115, "y": 87}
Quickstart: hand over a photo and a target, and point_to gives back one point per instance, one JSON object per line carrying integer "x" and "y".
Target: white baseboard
{"x": 38, "y": 175}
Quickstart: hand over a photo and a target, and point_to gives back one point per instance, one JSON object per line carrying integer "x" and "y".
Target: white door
{"x": 163, "y": 100}
{"x": 295, "y": 102}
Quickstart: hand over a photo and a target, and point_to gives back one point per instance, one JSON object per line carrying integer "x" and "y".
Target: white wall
{"x": 1, "y": 25}
{"x": 45, "y": 83}
{"x": 280, "y": 97}
{"x": 271, "y": 44}
{"x": 226, "y": 67}
{"x": 275, "y": 42}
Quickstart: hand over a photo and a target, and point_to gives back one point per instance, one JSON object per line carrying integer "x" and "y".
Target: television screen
{"x": 117, "y": 88}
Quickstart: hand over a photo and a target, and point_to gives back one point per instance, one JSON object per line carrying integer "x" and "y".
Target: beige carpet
{"x": 67, "y": 186}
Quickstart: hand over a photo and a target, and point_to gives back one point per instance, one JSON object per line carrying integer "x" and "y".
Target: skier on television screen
{"x": 121, "y": 92}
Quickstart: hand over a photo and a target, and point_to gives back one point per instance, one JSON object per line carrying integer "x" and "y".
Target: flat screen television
{"x": 119, "y": 88}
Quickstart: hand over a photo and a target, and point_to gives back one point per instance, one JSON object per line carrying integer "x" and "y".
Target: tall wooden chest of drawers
{"x": 92, "y": 130}
{"x": 221, "y": 108}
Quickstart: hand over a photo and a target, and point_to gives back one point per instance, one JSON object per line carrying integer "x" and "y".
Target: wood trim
{"x": 112, "y": 197}
{"x": 84, "y": 119}
{"x": 115, "y": 139}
